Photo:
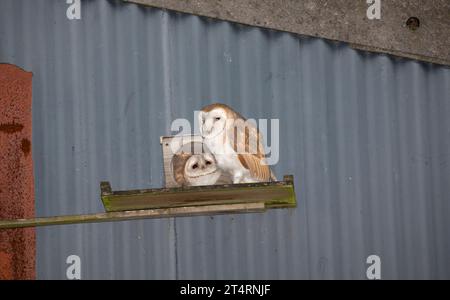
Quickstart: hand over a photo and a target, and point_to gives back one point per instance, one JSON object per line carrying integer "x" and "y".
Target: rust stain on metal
{"x": 17, "y": 246}
{"x": 11, "y": 127}
{"x": 5, "y": 265}
{"x": 26, "y": 146}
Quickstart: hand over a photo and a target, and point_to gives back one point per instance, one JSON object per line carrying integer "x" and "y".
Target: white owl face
{"x": 212, "y": 123}
{"x": 201, "y": 169}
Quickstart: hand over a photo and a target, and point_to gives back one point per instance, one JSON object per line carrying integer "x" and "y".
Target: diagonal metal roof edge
{"x": 332, "y": 20}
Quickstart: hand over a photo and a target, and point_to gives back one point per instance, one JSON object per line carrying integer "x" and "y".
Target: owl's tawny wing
{"x": 247, "y": 141}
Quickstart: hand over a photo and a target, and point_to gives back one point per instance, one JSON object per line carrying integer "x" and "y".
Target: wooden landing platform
{"x": 279, "y": 194}
{"x": 177, "y": 202}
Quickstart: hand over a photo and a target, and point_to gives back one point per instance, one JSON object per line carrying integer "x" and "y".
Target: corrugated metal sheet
{"x": 366, "y": 136}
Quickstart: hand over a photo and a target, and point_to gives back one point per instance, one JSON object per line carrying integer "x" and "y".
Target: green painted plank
{"x": 280, "y": 194}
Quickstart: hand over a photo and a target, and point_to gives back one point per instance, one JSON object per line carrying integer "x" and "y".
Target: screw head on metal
{"x": 413, "y": 23}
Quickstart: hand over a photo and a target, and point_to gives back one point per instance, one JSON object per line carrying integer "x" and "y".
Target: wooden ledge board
{"x": 279, "y": 194}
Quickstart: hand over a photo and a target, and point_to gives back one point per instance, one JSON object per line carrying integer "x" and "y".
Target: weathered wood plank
{"x": 134, "y": 215}
{"x": 278, "y": 194}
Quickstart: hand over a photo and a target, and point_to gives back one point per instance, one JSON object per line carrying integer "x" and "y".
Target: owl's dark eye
{"x": 195, "y": 166}
{"x": 208, "y": 162}
{"x": 217, "y": 118}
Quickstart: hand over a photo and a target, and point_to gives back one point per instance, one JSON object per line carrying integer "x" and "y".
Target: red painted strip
{"x": 17, "y": 246}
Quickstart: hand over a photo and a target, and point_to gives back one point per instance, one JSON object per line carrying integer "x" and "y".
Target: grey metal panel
{"x": 98, "y": 112}
{"x": 366, "y": 136}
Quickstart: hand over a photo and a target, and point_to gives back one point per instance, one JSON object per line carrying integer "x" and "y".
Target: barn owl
{"x": 236, "y": 144}
{"x": 195, "y": 169}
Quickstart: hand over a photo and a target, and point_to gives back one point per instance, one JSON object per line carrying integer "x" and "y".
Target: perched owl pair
{"x": 234, "y": 151}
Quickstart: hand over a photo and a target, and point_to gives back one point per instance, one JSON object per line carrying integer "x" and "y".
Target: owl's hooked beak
{"x": 206, "y": 132}
{"x": 201, "y": 119}
{"x": 206, "y": 127}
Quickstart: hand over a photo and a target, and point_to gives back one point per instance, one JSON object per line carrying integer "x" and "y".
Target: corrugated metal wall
{"x": 366, "y": 136}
